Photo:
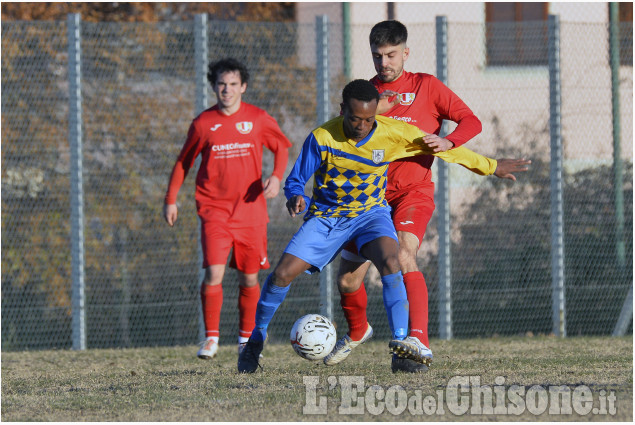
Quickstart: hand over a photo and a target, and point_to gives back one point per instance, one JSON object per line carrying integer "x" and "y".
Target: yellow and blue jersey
{"x": 349, "y": 177}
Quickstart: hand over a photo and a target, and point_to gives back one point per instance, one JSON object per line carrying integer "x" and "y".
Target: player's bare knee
{"x": 347, "y": 286}
{"x": 391, "y": 265}
{"x": 407, "y": 261}
{"x": 282, "y": 276}
{"x": 248, "y": 281}
{"x": 211, "y": 279}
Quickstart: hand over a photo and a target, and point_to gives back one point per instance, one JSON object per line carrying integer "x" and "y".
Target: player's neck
{"x": 229, "y": 110}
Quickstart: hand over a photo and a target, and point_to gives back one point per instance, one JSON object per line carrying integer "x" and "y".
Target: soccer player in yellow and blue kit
{"x": 348, "y": 159}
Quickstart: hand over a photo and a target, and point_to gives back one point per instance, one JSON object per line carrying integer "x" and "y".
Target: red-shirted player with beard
{"x": 230, "y": 194}
{"x": 424, "y": 101}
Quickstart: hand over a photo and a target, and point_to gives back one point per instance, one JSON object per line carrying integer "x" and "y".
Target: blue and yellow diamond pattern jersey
{"x": 350, "y": 177}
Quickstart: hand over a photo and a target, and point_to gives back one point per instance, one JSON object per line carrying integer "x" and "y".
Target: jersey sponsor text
{"x": 231, "y": 147}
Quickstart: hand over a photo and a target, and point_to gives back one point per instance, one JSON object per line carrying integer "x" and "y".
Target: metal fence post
{"x": 557, "y": 204}
{"x": 626, "y": 314}
{"x": 200, "y": 62}
{"x": 443, "y": 198}
{"x": 76, "y": 180}
{"x": 322, "y": 93}
{"x": 346, "y": 39}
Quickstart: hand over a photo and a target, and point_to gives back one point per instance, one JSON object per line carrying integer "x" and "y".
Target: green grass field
{"x": 171, "y": 384}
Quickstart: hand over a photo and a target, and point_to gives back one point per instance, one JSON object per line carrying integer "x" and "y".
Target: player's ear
{"x": 243, "y": 88}
{"x": 406, "y": 53}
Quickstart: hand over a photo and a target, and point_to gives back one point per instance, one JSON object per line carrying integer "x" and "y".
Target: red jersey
{"x": 229, "y": 180}
{"x": 424, "y": 102}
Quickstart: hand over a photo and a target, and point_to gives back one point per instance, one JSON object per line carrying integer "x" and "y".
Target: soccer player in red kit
{"x": 423, "y": 101}
{"x": 230, "y": 194}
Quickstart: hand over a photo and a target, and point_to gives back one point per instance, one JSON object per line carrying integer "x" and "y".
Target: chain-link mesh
{"x": 36, "y": 290}
{"x": 138, "y": 88}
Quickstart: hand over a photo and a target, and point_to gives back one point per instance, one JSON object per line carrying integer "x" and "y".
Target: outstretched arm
{"x": 471, "y": 160}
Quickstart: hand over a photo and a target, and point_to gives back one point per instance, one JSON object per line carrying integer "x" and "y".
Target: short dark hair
{"x": 388, "y": 33}
{"x": 361, "y": 90}
{"x": 226, "y": 65}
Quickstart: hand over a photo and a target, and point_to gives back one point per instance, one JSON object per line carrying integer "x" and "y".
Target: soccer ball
{"x": 313, "y": 336}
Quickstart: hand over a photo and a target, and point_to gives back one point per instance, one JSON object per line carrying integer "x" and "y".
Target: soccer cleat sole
{"x": 409, "y": 353}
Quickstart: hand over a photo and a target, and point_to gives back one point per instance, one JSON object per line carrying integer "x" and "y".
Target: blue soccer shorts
{"x": 320, "y": 239}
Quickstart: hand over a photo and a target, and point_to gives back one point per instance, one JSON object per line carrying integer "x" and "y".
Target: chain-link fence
{"x": 138, "y": 97}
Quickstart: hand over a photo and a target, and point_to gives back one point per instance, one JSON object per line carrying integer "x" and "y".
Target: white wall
{"x": 408, "y": 12}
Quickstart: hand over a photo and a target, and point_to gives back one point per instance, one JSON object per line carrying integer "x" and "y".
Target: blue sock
{"x": 271, "y": 297}
{"x": 396, "y": 304}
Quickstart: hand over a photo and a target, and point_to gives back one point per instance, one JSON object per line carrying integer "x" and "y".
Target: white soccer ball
{"x": 313, "y": 336}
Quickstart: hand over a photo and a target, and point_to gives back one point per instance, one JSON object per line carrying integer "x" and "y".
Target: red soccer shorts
{"x": 249, "y": 246}
{"x": 411, "y": 212}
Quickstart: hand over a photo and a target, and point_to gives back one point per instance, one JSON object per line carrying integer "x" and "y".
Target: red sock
{"x": 354, "y": 306}
{"x": 212, "y": 301}
{"x": 247, "y": 303}
{"x": 417, "y": 292}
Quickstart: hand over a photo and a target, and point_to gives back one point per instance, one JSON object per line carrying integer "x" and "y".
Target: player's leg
{"x": 416, "y": 287}
{"x": 354, "y": 301}
{"x": 248, "y": 295}
{"x": 377, "y": 240}
{"x": 353, "y": 297}
{"x": 248, "y": 257}
{"x": 273, "y": 293}
{"x": 411, "y": 215}
{"x": 216, "y": 242}
{"x": 383, "y": 252}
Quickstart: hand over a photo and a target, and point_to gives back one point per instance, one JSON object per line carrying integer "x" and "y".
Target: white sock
{"x": 242, "y": 339}
{"x": 213, "y": 338}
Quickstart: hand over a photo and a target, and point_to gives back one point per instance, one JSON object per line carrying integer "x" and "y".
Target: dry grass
{"x": 171, "y": 384}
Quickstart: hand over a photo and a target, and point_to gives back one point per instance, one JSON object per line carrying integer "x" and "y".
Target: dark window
{"x": 516, "y": 34}
{"x": 626, "y": 33}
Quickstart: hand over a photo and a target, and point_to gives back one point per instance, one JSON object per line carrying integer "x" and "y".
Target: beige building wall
{"x": 512, "y": 102}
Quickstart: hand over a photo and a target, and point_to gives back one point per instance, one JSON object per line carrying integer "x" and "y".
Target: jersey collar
{"x": 367, "y": 138}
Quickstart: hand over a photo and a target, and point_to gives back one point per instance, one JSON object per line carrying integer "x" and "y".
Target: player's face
{"x": 359, "y": 118}
{"x": 229, "y": 90}
{"x": 389, "y": 61}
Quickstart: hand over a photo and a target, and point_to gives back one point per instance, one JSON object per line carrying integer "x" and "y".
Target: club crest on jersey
{"x": 244, "y": 127}
{"x": 406, "y": 98}
{"x": 378, "y": 155}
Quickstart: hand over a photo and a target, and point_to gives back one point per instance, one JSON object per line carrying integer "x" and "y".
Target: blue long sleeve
{"x": 305, "y": 166}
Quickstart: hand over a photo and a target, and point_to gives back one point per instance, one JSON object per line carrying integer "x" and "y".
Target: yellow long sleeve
{"x": 471, "y": 160}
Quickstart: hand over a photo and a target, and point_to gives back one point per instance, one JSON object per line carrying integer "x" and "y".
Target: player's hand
{"x": 387, "y": 100}
{"x": 170, "y": 212}
{"x": 506, "y": 167}
{"x": 296, "y": 205}
{"x": 271, "y": 187}
{"x": 437, "y": 144}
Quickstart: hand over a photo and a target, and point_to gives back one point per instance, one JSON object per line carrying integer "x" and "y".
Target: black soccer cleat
{"x": 249, "y": 357}
{"x": 402, "y": 364}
